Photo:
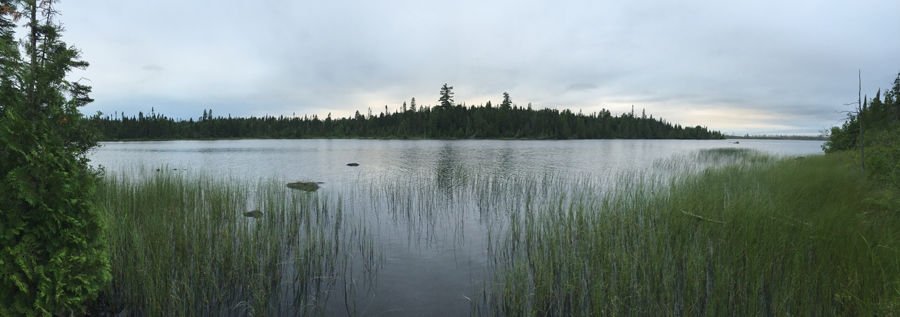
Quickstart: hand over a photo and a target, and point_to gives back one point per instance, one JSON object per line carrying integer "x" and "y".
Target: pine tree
{"x": 446, "y": 99}
{"x": 895, "y": 93}
{"x": 507, "y": 102}
{"x": 9, "y": 57}
{"x": 53, "y": 257}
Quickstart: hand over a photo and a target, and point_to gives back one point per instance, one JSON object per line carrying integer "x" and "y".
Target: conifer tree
{"x": 9, "y": 57}
{"x": 446, "y": 99}
{"x": 507, "y": 102}
{"x": 895, "y": 100}
{"x": 53, "y": 257}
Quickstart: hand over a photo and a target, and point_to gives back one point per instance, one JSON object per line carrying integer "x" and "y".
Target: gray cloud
{"x": 749, "y": 67}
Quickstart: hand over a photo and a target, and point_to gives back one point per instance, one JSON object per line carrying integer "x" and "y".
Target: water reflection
{"x": 449, "y": 169}
{"x": 420, "y": 220}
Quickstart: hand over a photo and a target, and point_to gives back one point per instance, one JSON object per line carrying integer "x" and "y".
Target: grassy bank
{"x": 181, "y": 245}
{"x": 808, "y": 236}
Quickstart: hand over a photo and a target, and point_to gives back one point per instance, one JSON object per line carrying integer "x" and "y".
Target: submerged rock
{"x": 305, "y": 186}
{"x": 253, "y": 213}
{"x": 352, "y": 164}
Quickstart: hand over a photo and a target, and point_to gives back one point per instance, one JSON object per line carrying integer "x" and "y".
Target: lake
{"x": 422, "y": 200}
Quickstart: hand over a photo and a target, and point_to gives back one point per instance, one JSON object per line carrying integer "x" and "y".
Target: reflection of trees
{"x": 449, "y": 172}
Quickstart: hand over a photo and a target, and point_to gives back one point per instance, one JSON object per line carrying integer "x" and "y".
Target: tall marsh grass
{"x": 180, "y": 245}
{"x": 715, "y": 232}
{"x": 755, "y": 236}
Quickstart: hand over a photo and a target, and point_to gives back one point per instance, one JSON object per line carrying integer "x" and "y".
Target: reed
{"x": 181, "y": 245}
{"x": 714, "y": 232}
{"x": 753, "y": 235}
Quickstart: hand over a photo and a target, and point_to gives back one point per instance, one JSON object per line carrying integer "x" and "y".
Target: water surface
{"x": 325, "y": 160}
{"x": 424, "y": 200}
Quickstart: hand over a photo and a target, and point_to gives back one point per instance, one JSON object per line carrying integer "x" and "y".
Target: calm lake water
{"x": 431, "y": 234}
{"x": 325, "y": 160}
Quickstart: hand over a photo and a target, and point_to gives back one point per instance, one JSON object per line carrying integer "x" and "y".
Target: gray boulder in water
{"x": 304, "y": 186}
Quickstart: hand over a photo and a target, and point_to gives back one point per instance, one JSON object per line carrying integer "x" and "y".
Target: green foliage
{"x": 883, "y": 155}
{"x": 52, "y": 254}
{"x": 881, "y": 140}
{"x": 843, "y": 138}
{"x": 763, "y": 237}
{"x": 879, "y": 113}
{"x": 448, "y": 121}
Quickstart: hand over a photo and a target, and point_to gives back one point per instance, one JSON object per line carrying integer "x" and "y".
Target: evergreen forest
{"x": 447, "y": 120}
{"x": 871, "y": 134}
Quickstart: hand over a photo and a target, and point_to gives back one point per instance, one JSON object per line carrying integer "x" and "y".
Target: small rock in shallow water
{"x": 305, "y": 186}
{"x": 253, "y": 213}
{"x": 352, "y": 164}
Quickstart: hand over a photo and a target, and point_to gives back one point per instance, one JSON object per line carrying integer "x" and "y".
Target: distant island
{"x": 444, "y": 121}
{"x": 779, "y": 137}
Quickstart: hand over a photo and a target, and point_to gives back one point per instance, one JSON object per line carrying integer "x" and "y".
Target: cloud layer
{"x": 748, "y": 67}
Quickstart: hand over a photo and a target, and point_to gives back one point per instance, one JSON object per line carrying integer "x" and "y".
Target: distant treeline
{"x": 445, "y": 121}
{"x": 779, "y": 137}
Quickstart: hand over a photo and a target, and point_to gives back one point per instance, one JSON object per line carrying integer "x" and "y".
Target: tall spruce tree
{"x": 889, "y": 100}
{"x": 507, "y": 102}
{"x": 446, "y": 99}
{"x": 9, "y": 57}
{"x": 53, "y": 257}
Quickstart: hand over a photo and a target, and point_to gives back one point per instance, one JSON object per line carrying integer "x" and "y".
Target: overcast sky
{"x": 758, "y": 67}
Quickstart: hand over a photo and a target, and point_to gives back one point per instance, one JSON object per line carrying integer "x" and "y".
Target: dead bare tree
{"x": 859, "y": 108}
{"x": 859, "y": 116}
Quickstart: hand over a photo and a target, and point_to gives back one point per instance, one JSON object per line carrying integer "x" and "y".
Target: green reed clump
{"x": 180, "y": 245}
{"x": 762, "y": 236}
